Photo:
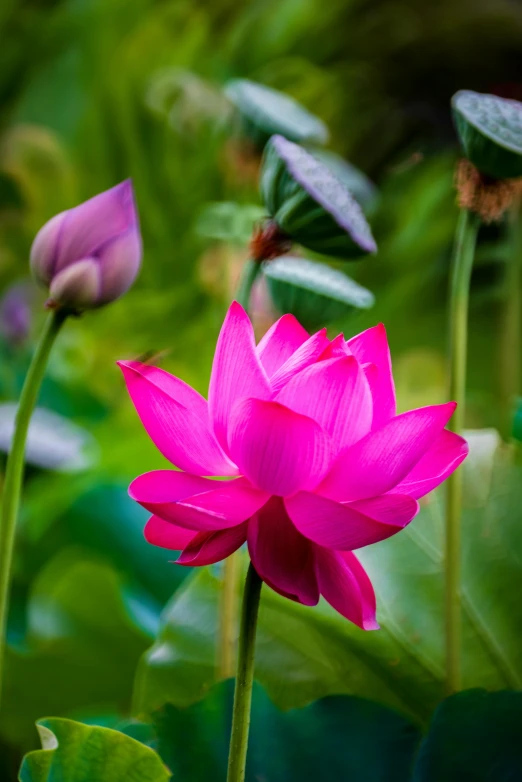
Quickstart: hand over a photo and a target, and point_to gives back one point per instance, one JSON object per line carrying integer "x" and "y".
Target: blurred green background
{"x": 95, "y": 91}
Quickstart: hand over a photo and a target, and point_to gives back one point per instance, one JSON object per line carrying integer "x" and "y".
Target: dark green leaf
{"x": 475, "y": 736}
{"x": 333, "y": 739}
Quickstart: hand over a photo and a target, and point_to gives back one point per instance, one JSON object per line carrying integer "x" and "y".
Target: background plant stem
{"x": 15, "y": 467}
{"x": 244, "y": 678}
{"x": 249, "y": 275}
{"x": 229, "y": 600}
{"x": 511, "y": 323}
{"x": 462, "y": 264}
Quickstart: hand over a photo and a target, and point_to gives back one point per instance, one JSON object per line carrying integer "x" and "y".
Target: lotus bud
{"x": 90, "y": 255}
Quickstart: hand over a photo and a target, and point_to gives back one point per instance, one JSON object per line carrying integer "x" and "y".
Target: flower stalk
{"x": 511, "y": 323}
{"x": 244, "y": 678}
{"x": 249, "y": 275}
{"x": 15, "y": 466}
{"x": 462, "y": 264}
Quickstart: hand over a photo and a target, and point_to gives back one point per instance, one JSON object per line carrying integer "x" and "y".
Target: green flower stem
{"x": 228, "y": 610}
{"x": 462, "y": 264}
{"x": 248, "y": 277}
{"x": 228, "y": 618}
{"x": 244, "y": 678}
{"x": 510, "y": 339}
{"x": 15, "y": 467}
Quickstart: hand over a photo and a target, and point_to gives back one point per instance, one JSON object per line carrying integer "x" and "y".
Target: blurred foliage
{"x": 332, "y": 739}
{"x": 473, "y": 735}
{"x": 94, "y": 91}
{"x": 109, "y": 754}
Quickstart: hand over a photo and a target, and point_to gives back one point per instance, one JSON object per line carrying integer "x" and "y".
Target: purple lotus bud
{"x": 90, "y": 255}
{"x": 15, "y": 313}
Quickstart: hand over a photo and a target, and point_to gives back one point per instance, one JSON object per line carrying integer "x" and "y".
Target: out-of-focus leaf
{"x": 53, "y": 442}
{"x": 81, "y": 647}
{"x": 315, "y": 293}
{"x": 10, "y": 195}
{"x": 333, "y": 739}
{"x": 478, "y": 474}
{"x": 73, "y": 752}
{"x": 32, "y": 155}
{"x": 476, "y": 736}
{"x": 186, "y": 100}
{"x": 304, "y": 653}
{"x": 264, "y": 111}
{"x": 420, "y": 378}
{"x": 106, "y": 520}
{"x": 229, "y": 221}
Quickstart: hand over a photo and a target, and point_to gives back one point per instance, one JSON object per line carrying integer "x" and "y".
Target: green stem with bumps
{"x": 244, "y": 678}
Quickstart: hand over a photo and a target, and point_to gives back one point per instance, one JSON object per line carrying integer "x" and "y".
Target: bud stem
{"x": 249, "y": 275}
{"x": 462, "y": 264}
{"x": 15, "y": 466}
{"x": 244, "y": 678}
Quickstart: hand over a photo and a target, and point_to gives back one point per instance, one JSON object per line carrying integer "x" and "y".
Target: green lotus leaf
{"x": 316, "y": 294}
{"x": 74, "y": 752}
{"x": 265, "y": 111}
{"x": 311, "y": 205}
{"x": 474, "y": 735}
{"x": 490, "y": 132}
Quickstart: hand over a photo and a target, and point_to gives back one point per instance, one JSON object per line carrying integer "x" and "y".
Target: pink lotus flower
{"x": 321, "y": 464}
{"x": 90, "y": 255}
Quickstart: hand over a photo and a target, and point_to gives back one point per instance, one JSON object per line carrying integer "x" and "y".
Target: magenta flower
{"x": 321, "y": 463}
{"x": 90, "y": 255}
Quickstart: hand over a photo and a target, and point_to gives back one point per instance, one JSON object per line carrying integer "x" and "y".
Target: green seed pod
{"x": 264, "y": 111}
{"x": 360, "y": 186}
{"x": 310, "y": 204}
{"x": 490, "y": 132}
{"x": 316, "y": 294}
